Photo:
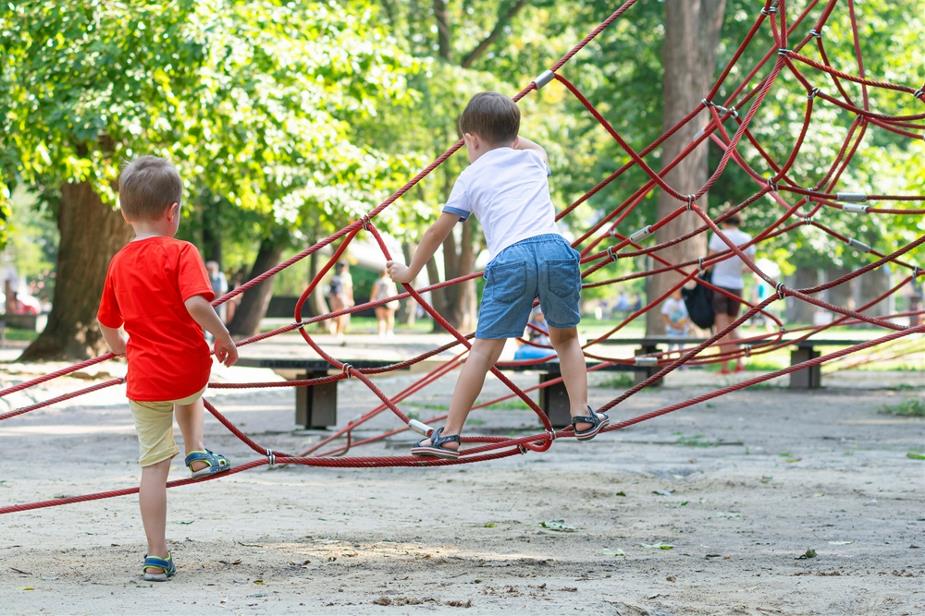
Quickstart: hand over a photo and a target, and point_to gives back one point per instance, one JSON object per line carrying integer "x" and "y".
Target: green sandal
{"x": 216, "y": 463}
{"x": 168, "y": 569}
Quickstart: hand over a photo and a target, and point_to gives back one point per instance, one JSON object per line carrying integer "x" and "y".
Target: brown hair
{"x": 492, "y": 116}
{"x": 147, "y": 187}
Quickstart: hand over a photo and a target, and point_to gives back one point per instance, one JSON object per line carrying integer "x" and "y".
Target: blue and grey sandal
{"x": 597, "y": 420}
{"x": 168, "y": 569}
{"x": 436, "y": 448}
{"x": 217, "y": 463}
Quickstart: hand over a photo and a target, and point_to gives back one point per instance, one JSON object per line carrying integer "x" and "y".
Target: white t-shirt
{"x": 674, "y": 309}
{"x": 508, "y": 192}
{"x": 728, "y": 272}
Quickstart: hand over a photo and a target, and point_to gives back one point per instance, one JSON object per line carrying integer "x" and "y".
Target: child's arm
{"x": 522, "y": 143}
{"x": 203, "y": 313}
{"x": 432, "y": 239}
{"x": 114, "y": 338}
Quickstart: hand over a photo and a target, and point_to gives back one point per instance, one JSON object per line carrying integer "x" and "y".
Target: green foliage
{"x": 256, "y": 102}
{"x": 912, "y": 407}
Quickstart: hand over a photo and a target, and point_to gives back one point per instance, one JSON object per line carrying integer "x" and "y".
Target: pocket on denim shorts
{"x": 506, "y": 283}
{"x": 563, "y": 276}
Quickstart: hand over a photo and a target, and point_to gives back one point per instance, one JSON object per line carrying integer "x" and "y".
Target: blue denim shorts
{"x": 545, "y": 266}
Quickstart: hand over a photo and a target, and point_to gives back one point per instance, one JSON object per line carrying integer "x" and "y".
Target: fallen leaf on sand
{"x": 810, "y": 553}
{"x": 558, "y": 525}
{"x": 657, "y": 546}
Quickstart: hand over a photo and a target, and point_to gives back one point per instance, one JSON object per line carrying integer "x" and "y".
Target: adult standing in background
{"x": 385, "y": 314}
{"x": 219, "y": 287}
{"x": 727, "y": 275}
{"x": 340, "y": 296}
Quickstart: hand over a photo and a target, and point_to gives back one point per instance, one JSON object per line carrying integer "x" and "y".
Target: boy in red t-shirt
{"x": 158, "y": 289}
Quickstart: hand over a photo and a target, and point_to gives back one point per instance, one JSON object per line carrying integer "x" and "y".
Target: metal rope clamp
{"x": 858, "y": 245}
{"x": 543, "y": 78}
{"x": 780, "y": 290}
{"x": 783, "y": 51}
{"x": 645, "y": 361}
{"x": 770, "y": 10}
{"x": 918, "y": 93}
{"x": 347, "y": 370}
{"x": 613, "y": 256}
{"x": 747, "y": 350}
{"x": 690, "y": 202}
{"x": 773, "y": 184}
{"x": 815, "y": 33}
{"x": 700, "y": 265}
{"x": 420, "y": 427}
{"x": 271, "y": 457}
{"x": 855, "y": 208}
{"x": 367, "y": 223}
{"x": 641, "y": 233}
{"x": 812, "y": 93}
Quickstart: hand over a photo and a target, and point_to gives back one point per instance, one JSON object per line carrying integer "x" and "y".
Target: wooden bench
{"x": 807, "y": 378}
{"x": 316, "y": 405}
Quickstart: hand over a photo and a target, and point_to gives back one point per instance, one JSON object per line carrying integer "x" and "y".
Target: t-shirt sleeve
{"x": 192, "y": 276}
{"x": 666, "y": 307}
{"x": 543, "y": 163}
{"x": 458, "y": 203}
{"x": 750, "y": 251}
{"x": 717, "y": 244}
{"x": 109, "y": 313}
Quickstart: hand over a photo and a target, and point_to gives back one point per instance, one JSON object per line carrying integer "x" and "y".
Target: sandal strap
{"x": 437, "y": 440}
{"x": 214, "y": 460}
{"x": 161, "y": 563}
{"x": 593, "y": 418}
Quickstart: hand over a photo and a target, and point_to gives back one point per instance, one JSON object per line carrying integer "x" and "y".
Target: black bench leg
{"x": 554, "y": 402}
{"x": 807, "y": 378}
{"x": 316, "y": 405}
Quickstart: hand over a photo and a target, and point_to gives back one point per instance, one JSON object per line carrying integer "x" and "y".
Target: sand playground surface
{"x": 764, "y": 501}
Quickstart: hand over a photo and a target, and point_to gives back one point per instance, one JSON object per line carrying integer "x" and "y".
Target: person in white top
{"x": 727, "y": 274}
{"x": 506, "y": 187}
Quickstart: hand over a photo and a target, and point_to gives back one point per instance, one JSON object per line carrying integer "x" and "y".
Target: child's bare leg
{"x": 481, "y": 358}
{"x": 152, "y": 498}
{"x": 574, "y": 372}
{"x": 190, "y": 419}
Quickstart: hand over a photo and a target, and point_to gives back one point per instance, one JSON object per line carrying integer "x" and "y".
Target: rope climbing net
{"x": 607, "y": 242}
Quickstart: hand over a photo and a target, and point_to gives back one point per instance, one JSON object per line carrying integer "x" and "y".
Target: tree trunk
{"x": 799, "y": 311}
{"x": 316, "y": 301}
{"x": 256, "y": 300}
{"x": 840, "y": 295}
{"x": 873, "y": 284}
{"x": 689, "y": 56}
{"x": 457, "y": 303}
{"x": 407, "y": 309}
{"x": 212, "y": 229}
{"x": 91, "y": 233}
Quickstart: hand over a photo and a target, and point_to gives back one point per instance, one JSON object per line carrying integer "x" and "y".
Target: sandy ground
{"x": 739, "y": 487}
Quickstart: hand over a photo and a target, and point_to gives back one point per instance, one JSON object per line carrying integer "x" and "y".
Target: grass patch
{"x": 913, "y": 407}
{"x": 617, "y": 381}
{"x": 507, "y": 405}
{"x": 20, "y": 335}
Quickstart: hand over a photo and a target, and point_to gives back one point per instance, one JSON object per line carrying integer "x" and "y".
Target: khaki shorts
{"x": 154, "y": 426}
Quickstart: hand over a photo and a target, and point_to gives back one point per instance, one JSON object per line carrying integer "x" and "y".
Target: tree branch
{"x": 443, "y": 29}
{"x": 504, "y": 18}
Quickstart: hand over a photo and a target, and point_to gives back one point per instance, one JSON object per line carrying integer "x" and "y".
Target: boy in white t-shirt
{"x": 727, "y": 274}
{"x": 506, "y": 187}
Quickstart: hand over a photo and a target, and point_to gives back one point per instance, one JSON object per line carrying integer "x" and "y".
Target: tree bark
{"x": 692, "y": 30}
{"x": 799, "y": 311}
{"x": 91, "y": 233}
{"x": 255, "y": 301}
{"x": 442, "y": 17}
{"x": 873, "y": 284}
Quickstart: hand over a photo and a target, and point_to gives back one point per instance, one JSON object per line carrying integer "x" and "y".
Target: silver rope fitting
{"x": 700, "y": 265}
{"x": 747, "y": 350}
{"x": 366, "y": 222}
{"x": 735, "y": 112}
{"x": 851, "y": 197}
{"x": 706, "y": 103}
{"x": 780, "y": 290}
{"x": 812, "y": 93}
{"x": 855, "y": 208}
{"x": 806, "y": 220}
{"x": 641, "y": 233}
{"x": 612, "y": 254}
{"x": 773, "y": 184}
{"x": 271, "y": 458}
{"x": 918, "y": 93}
{"x": 783, "y": 51}
{"x": 645, "y": 361}
{"x": 769, "y": 10}
{"x": 347, "y": 370}
{"x": 858, "y": 245}
{"x": 815, "y": 33}
{"x": 420, "y": 427}
{"x": 690, "y": 201}
{"x": 916, "y": 270}
{"x": 543, "y": 78}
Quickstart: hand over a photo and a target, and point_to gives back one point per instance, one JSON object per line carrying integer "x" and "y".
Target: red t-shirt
{"x": 146, "y": 285}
